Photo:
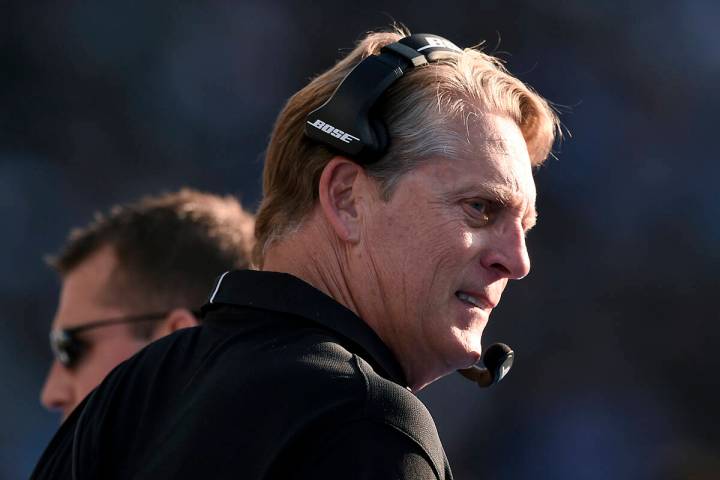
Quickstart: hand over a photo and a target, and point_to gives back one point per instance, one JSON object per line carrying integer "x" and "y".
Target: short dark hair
{"x": 169, "y": 249}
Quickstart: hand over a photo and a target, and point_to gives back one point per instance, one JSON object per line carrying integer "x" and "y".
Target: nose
{"x": 508, "y": 255}
{"x": 56, "y": 393}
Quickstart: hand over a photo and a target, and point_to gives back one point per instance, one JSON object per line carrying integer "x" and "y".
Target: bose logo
{"x": 435, "y": 42}
{"x": 335, "y": 132}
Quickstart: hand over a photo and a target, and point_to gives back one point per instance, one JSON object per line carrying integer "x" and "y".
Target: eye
{"x": 479, "y": 211}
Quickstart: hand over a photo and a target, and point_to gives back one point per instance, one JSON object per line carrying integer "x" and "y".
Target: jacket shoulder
{"x": 400, "y": 409}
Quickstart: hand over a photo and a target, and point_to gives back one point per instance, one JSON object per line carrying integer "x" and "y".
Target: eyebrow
{"x": 530, "y": 219}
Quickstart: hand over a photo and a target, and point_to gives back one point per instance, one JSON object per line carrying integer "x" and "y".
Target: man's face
{"x": 444, "y": 246}
{"x": 80, "y": 303}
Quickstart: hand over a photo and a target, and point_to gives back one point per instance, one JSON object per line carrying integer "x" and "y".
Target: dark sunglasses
{"x": 69, "y": 348}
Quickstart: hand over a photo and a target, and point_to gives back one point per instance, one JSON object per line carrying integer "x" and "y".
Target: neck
{"x": 315, "y": 255}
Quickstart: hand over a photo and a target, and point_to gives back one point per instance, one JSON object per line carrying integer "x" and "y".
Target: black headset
{"x": 345, "y": 121}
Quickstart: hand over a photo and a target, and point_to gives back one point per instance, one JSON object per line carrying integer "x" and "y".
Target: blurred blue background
{"x": 616, "y": 329}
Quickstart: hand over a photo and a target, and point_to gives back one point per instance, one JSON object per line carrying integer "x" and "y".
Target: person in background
{"x": 134, "y": 275}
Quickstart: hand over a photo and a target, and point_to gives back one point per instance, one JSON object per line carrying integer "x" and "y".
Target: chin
{"x": 467, "y": 350}
{"x": 473, "y": 356}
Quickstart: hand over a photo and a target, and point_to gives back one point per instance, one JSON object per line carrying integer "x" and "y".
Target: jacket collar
{"x": 285, "y": 293}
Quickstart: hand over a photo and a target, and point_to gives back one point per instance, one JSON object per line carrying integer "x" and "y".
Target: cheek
{"x": 440, "y": 255}
{"x": 87, "y": 376}
{"x": 468, "y": 240}
{"x": 100, "y": 361}
{"x": 476, "y": 243}
{"x": 449, "y": 243}
{"x": 429, "y": 242}
{"x": 441, "y": 251}
{"x": 419, "y": 252}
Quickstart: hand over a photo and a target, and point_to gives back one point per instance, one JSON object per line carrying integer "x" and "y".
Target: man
{"x": 134, "y": 276}
{"x": 397, "y": 194}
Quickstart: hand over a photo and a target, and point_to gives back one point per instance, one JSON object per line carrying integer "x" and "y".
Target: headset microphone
{"x": 498, "y": 359}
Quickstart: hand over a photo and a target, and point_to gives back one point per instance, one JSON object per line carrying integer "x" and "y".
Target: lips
{"x": 476, "y": 300}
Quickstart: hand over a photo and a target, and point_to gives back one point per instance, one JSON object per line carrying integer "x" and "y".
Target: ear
{"x": 175, "y": 320}
{"x": 338, "y": 192}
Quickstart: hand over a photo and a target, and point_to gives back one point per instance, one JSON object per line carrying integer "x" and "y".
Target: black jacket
{"x": 280, "y": 382}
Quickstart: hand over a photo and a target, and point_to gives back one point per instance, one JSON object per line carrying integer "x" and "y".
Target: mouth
{"x": 475, "y": 300}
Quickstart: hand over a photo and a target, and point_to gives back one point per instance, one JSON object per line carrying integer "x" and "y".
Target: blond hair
{"x": 415, "y": 109}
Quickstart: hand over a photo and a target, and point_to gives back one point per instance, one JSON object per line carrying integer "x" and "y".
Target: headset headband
{"x": 344, "y": 121}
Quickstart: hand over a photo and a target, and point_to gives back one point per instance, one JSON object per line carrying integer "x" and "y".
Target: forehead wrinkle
{"x": 474, "y": 135}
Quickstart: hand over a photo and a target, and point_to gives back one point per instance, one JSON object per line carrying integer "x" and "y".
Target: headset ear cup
{"x": 382, "y": 138}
